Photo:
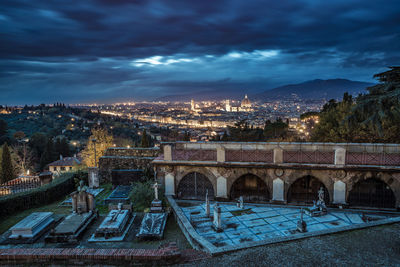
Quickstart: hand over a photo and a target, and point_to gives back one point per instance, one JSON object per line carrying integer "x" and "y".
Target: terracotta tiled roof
{"x": 67, "y": 161}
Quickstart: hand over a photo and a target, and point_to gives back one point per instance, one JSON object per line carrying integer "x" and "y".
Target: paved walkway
{"x": 255, "y": 223}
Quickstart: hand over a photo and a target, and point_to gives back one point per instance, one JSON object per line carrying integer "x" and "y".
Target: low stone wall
{"x": 117, "y": 158}
{"x": 133, "y": 152}
{"x": 195, "y": 240}
{"x": 166, "y": 255}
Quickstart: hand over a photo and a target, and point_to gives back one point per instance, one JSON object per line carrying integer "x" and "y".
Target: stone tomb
{"x": 152, "y": 226}
{"x": 119, "y": 195}
{"x": 32, "y": 226}
{"x": 83, "y": 213}
{"x": 114, "y": 227}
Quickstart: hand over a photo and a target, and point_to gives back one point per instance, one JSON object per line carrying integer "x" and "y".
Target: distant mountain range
{"x": 314, "y": 89}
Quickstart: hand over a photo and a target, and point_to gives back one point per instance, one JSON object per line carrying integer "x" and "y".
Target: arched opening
{"x": 305, "y": 190}
{"x": 194, "y": 186}
{"x": 372, "y": 193}
{"x": 251, "y": 188}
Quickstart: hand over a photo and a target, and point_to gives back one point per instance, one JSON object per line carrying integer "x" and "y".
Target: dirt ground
{"x": 376, "y": 246}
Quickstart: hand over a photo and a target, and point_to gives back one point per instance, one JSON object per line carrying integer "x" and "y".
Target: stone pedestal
{"x": 217, "y": 226}
{"x": 156, "y": 206}
{"x": 94, "y": 181}
{"x": 82, "y": 202}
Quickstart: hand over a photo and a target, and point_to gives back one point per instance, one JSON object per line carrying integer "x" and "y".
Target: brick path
{"x": 167, "y": 254}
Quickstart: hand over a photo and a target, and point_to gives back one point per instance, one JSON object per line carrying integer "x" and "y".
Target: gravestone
{"x": 82, "y": 201}
{"x": 32, "y": 226}
{"x": 207, "y": 205}
{"x": 83, "y": 213}
{"x": 217, "y": 226}
{"x": 115, "y": 226}
{"x": 94, "y": 181}
{"x": 301, "y": 224}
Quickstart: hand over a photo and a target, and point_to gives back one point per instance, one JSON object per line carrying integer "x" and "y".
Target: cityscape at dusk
{"x": 211, "y": 133}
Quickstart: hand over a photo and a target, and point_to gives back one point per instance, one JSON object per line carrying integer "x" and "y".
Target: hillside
{"x": 315, "y": 89}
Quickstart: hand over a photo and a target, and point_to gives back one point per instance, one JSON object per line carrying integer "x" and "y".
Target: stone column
{"x": 278, "y": 190}
{"x": 278, "y": 155}
{"x": 94, "y": 177}
{"x": 167, "y": 153}
{"x": 222, "y": 187}
{"x": 339, "y": 192}
{"x": 340, "y": 156}
{"x": 220, "y": 154}
{"x": 169, "y": 184}
{"x": 91, "y": 202}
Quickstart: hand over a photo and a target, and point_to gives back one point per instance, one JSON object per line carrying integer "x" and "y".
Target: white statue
{"x": 241, "y": 204}
{"x": 321, "y": 195}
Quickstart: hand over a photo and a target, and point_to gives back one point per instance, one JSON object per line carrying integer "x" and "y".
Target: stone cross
{"x": 207, "y": 205}
{"x": 155, "y": 186}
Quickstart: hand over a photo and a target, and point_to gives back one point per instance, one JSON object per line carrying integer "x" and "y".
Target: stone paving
{"x": 256, "y": 222}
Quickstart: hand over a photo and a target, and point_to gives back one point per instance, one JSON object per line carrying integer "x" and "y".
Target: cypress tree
{"x": 7, "y": 170}
{"x": 145, "y": 139}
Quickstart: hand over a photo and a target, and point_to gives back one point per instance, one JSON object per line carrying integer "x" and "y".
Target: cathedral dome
{"x": 246, "y": 102}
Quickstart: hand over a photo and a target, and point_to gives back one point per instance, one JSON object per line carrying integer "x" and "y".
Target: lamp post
{"x": 95, "y": 156}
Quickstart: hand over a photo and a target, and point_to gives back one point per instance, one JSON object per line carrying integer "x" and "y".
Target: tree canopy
{"x": 373, "y": 117}
{"x": 103, "y": 141}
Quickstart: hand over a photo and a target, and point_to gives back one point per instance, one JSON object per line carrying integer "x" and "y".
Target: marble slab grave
{"x": 119, "y": 195}
{"x": 70, "y": 229}
{"x": 152, "y": 226}
{"x": 114, "y": 227}
{"x": 32, "y": 225}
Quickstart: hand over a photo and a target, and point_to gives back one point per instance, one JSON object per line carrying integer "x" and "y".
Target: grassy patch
{"x": 172, "y": 233}
{"x": 103, "y": 209}
{"x": 11, "y": 220}
{"x": 241, "y": 212}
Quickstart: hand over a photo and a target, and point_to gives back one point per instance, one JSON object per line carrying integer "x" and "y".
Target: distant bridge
{"x": 352, "y": 174}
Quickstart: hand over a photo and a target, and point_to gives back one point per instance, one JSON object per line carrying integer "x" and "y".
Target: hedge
{"x": 46, "y": 194}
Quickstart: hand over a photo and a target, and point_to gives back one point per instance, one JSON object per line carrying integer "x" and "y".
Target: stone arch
{"x": 305, "y": 190}
{"x": 185, "y": 170}
{"x": 371, "y": 192}
{"x": 195, "y": 185}
{"x": 238, "y": 172}
{"x": 390, "y": 179}
{"x": 251, "y": 187}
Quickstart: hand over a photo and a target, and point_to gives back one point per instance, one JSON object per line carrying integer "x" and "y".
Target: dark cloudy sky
{"x": 112, "y": 50}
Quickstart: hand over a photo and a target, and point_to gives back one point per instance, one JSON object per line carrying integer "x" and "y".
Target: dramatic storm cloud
{"x": 111, "y": 50}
